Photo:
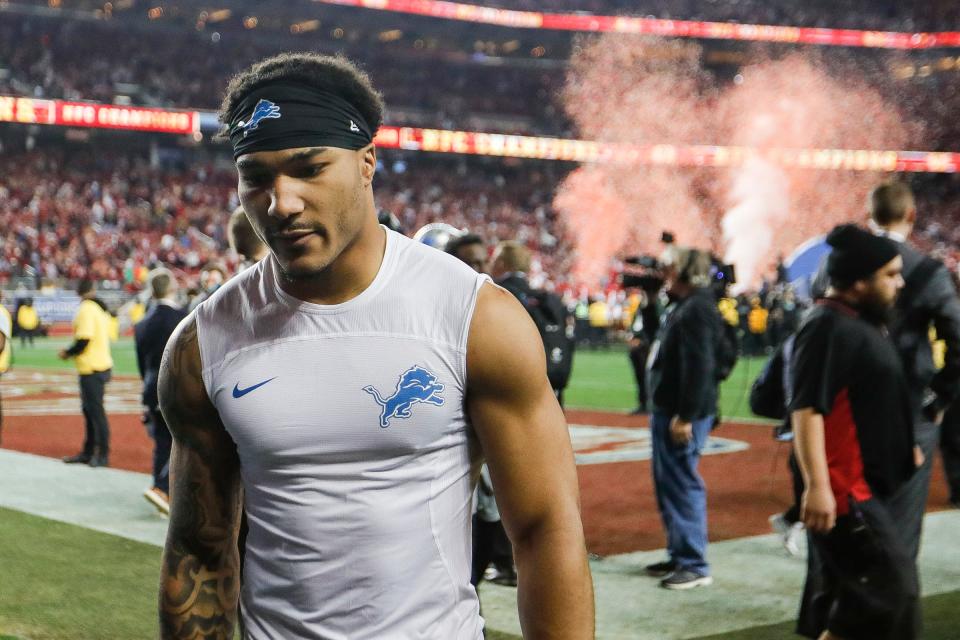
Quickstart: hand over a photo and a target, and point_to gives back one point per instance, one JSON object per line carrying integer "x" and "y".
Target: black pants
{"x": 861, "y": 582}
{"x": 161, "y": 450}
{"x": 638, "y": 360}
{"x": 97, "y": 439}
{"x": 950, "y": 449}
{"x": 490, "y": 544}
{"x": 909, "y": 503}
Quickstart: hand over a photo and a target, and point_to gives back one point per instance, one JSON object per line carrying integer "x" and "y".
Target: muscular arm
{"x": 200, "y": 575}
{"x": 818, "y": 508}
{"x": 527, "y": 446}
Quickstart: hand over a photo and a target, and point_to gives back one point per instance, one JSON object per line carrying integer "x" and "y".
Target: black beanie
{"x": 857, "y": 254}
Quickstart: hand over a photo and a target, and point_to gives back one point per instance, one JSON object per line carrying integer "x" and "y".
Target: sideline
{"x": 756, "y": 583}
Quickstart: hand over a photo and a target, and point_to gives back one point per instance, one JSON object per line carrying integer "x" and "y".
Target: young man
{"x": 151, "y": 335}
{"x": 91, "y": 353}
{"x": 339, "y": 389}
{"x": 853, "y": 428}
{"x": 470, "y": 250}
{"x": 681, "y": 372}
{"x": 244, "y": 240}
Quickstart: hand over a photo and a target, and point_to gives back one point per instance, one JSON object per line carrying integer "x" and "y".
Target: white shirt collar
{"x": 886, "y": 233}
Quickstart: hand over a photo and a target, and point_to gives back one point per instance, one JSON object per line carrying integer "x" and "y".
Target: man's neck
{"x": 348, "y": 276}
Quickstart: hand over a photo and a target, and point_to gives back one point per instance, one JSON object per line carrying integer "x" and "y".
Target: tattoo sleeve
{"x": 200, "y": 573}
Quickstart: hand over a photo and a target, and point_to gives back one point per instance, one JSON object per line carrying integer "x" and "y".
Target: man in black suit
{"x": 151, "y": 335}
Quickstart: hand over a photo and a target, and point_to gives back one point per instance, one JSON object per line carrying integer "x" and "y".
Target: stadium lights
{"x": 219, "y": 15}
{"x": 305, "y": 26}
{"x": 390, "y": 36}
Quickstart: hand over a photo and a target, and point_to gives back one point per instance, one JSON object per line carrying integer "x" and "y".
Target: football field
{"x": 80, "y": 549}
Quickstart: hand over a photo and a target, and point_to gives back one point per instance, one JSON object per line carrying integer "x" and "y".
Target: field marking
{"x": 26, "y": 392}
{"x": 756, "y": 583}
{"x": 594, "y": 444}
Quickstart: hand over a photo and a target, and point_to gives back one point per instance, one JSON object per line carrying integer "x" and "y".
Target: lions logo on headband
{"x": 264, "y": 110}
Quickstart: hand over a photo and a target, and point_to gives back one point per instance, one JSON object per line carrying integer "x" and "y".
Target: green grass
{"x": 64, "y": 581}
{"x": 61, "y": 582}
{"x": 604, "y": 380}
{"x": 43, "y": 354}
{"x": 941, "y": 621}
{"x": 601, "y": 380}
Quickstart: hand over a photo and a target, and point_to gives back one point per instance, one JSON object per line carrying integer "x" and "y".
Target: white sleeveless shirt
{"x": 354, "y": 447}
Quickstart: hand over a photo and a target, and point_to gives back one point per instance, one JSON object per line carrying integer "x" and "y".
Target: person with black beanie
{"x": 854, "y": 442}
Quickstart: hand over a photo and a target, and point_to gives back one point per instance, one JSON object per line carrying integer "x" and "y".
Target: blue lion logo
{"x": 264, "y": 110}
{"x": 416, "y": 385}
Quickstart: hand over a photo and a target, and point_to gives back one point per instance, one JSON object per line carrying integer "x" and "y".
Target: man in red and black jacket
{"x": 853, "y": 420}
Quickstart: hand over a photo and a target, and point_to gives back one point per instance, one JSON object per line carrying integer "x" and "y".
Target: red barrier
{"x": 650, "y": 26}
{"x": 495, "y": 144}
{"x": 105, "y": 116}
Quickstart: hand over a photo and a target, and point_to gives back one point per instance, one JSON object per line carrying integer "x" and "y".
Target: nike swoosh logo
{"x": 239, "y": 393}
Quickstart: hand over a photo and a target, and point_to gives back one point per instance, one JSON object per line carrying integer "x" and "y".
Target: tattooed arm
{"x": 200, "y": 576}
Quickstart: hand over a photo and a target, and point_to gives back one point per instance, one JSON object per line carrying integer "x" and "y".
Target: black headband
{"x": 282, "y": 115}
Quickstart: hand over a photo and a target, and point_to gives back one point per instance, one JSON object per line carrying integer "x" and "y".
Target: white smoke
{"x": 760, "y": 199}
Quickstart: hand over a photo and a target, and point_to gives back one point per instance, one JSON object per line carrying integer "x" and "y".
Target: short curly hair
{"x": 335, "y": 74}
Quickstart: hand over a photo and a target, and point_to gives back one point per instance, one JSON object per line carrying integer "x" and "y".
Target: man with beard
{"x": 929, "y": 300}
{"x": 854, "y": 442}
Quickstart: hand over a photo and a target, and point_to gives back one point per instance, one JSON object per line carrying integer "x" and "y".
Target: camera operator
{"x": 643, "y": 273}
{"x": 681, "y": 375}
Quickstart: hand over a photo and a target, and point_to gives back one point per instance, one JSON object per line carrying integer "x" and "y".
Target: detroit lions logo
{"x": 416, "y": 385}
{"x": 263, "y": 111}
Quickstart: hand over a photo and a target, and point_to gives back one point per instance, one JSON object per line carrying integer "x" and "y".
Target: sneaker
{"x": 660, "y": 569}
{"x": 159, "y": 499}
{"x": 682, "y": 579}
{"x": 779, "y": 524}
{"x": 791, "y": 533}
{"x": 791, "y": 540}
{"x": 99, "y": 461}
{"x": 80, "y": 458}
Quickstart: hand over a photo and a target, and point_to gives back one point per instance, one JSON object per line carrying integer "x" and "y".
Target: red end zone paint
{"x": 744, "y": 487}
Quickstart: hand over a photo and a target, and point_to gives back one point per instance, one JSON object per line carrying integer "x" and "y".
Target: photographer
{"x": 682, "y": 377}
{"x": 643, "y": 273}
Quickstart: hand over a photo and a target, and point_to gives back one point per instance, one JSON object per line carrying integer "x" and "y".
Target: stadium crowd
{"x": 76, "y": 215}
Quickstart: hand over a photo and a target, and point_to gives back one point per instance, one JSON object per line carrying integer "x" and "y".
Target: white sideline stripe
{"x": 755, "y": 582}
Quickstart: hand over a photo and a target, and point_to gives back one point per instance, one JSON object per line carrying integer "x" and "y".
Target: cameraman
{"x": 682, "y": 379}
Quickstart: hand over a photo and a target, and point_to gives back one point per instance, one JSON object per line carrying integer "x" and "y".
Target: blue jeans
{"x": 681, "y": 494}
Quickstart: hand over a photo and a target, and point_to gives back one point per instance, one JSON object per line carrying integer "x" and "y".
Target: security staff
{"x": 91, "y": 353}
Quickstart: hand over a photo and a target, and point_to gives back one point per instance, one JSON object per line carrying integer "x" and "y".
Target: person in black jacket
{"x": 681, "y": 376}
{"x": 929, "y": 299}
{"x": 151, "y": 335}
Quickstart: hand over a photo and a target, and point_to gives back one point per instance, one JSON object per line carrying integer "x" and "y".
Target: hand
{"x": 918, "y": 457}
{"x": 63, "y": 354}
{"x": 818, "y": 509}
{"x": 681, "y": 431}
